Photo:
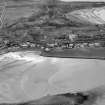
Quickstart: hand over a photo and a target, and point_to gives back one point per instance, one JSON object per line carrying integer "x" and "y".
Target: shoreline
{"x": 78, "y": 53}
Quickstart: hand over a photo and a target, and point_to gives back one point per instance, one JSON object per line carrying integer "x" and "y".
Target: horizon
{"x": 84, "y": 0}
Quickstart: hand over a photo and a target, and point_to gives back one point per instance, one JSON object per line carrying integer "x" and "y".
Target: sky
{"x": 65, "y": 0}
{"x": 85, "y": 0}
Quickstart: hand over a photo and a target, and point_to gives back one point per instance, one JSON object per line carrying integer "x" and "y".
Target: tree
{"x": 36, "y": 35}
{"x": 50, "y": 7}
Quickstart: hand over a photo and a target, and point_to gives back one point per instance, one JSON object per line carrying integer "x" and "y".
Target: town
{"x": 68, "y": 40}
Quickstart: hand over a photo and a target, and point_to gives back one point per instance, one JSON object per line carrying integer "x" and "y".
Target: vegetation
{"x": 46, "y": 25}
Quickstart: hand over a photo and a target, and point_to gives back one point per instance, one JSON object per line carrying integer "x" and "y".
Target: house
{"x": 24, "y": 45}
{"x": 97, "y": 44}
{"x": 47, "y": 49}
{"x": 72, "y": 37}
{"x": 91, "y": 44}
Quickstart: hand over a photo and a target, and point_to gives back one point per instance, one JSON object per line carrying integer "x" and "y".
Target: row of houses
{"x": 76, "y": 45}
{"x": 67, "y": 44}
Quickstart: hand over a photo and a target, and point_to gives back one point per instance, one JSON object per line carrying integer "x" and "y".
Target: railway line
{"x": 3, "y": 14}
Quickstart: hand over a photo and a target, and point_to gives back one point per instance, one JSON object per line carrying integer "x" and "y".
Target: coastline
{"x": 76, "y": 53}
